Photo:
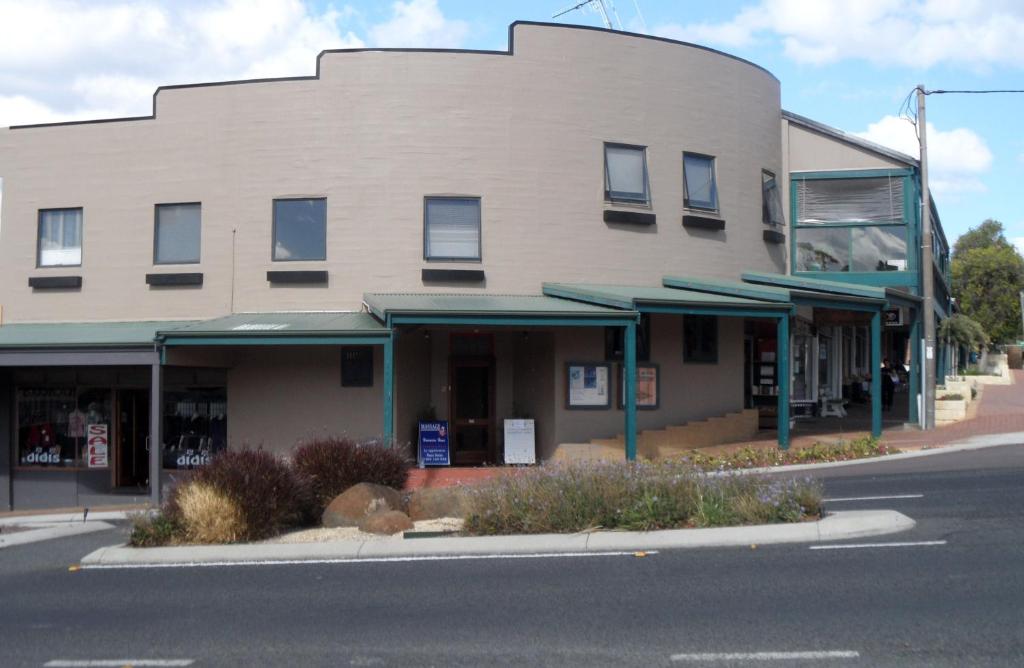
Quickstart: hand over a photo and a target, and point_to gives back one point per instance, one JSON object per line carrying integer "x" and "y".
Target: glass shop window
{"x": 195, "y": 427}
{"x": 64, "y": 427}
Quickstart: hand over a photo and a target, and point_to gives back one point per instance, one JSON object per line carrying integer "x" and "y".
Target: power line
{"x": 973, "y": 92}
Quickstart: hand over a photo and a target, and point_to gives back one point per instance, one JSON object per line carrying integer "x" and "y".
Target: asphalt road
{"x": 952, "y": 604}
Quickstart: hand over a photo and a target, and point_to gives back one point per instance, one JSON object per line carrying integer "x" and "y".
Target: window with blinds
{"x": 853, "y": 200}
{"x": 451, "y": 228}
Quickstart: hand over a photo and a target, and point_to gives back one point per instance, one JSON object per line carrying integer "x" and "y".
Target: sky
{"x": 848, "y": 64}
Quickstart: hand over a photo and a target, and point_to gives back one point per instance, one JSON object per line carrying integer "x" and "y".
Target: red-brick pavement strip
{"x": 1000, "y": 410}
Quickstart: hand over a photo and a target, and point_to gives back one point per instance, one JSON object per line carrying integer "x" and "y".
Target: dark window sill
{"x": 703, "y": 222}
{"x": 629, "y": 217}
{"x": 173, "y": 280}
{"x": 453, "y": 275}
{"x": 773, "y": 237}
{"x": 297, "y": 277}
{"x": 55, "y": 282}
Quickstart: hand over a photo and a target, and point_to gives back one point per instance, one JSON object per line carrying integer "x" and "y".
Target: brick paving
{"x": 999, "y": 409}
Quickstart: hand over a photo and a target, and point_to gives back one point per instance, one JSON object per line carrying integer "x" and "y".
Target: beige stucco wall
{"x": 375, "y": 134}
{"x": 278, "y": 396}
{"x": 688, "y": 391}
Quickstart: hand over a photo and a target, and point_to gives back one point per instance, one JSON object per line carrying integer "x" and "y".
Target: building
{"x": 461, "y": 235}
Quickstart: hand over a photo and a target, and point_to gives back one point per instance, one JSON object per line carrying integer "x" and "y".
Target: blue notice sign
{"x": 434, "y": 444}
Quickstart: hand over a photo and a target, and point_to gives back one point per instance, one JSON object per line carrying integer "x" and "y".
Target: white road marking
{"x": 369, "y": 560}
{"x": 874, "y": 498}
{"x": 116, "y": 663}
{"x": 858, "y": 545}
{"x": 766, "y": 656}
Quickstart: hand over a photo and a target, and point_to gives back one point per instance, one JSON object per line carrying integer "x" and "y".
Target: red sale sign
{"x": 97, "y": 441}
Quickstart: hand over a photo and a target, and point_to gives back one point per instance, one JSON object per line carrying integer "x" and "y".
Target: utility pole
{"x": 927, "y": 269}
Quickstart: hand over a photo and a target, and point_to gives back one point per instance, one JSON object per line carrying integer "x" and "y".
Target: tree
{"x": 987, "y": 235}
{"x": 988, "y": 275}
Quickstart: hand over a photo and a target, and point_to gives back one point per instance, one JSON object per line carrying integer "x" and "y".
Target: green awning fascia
{"x": 659, "y": 299}
{"x": 282, "y": 328}
{"x": 902, "y": 298}
{"x": 141, "y": 334}
{"x": 805, "y": 284}
{"x": 498, "y": 310}
{"x": 722, "y": 287}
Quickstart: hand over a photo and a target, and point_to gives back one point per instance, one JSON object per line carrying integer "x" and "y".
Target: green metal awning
{"x": 285, "y": 328}
{"x": 722, "y": 287}
{"x": 792, "y": 289}
{"x": 815, "y": 285}
{"x": 84, "y": 334}
{"x": 658, "y": 299}
{"x": 490, "y": 309}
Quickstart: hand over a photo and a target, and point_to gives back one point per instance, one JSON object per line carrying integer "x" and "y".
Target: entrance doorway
{"x": 472, "y": 410}
{"x": 132, "y": 460}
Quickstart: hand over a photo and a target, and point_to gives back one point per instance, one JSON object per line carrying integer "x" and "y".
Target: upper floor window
{"x": 60, "y": 238}
{"x": 849, "y": 200}
{"x": 177, "y": 235}
{"x": 625, "y": 174}
{"x": 701, "y": 191}
{"x": 451, "y": 228}
{"x": 771, "y": 200}
{"x": 300, "y": 229}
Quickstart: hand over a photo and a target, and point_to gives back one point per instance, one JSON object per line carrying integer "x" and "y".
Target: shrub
{"x": 635, "y": 496}
{"x": 263, "y": 489}
{"x": 951, "y": 397}
{"x": 209, "y": 515}
{"x": 746, "y": 458}
{"x": 154, "y": 530}
{"x": 329, "y": 466}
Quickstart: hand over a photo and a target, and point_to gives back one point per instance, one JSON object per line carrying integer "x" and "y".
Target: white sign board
{"x": 520, "y": 442}
{"x": 588, "y": 386}
{"x": 97, "y": 443}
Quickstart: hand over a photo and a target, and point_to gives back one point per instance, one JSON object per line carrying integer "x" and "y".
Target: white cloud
{"x": 914, "y": 33}
{"x": 957, "y": 159}
{"x": 419, "y": 23}
{"x": 73, "y": 59}
{"x": 1019, "y": 243}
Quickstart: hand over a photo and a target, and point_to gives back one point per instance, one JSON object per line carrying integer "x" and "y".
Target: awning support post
{"x": 782, "y": 369}
{"x": 629, "y": 360}
{"x": 156, "y": 437}
{"x": 389, "y": 390}
{"x": 915, "y": 367}
{"x": 876, "y": 374}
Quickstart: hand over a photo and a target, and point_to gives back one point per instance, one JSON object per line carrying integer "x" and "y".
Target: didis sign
{"x": 97, "y": 441}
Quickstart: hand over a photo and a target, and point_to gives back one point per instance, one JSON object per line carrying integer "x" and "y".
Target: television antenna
{"x": 601, "y": 7}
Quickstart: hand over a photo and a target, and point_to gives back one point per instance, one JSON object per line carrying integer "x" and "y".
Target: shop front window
{"x": 64, "y": 427}
{"x": 195, "y": 427}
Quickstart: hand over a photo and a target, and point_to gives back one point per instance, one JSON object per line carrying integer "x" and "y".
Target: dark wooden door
{"x": 472, "y": 410}
{"x": 132, "y": 458}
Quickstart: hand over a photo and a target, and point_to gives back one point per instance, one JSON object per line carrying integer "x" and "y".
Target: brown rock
{"x": 386, "y": 522}
{"x": 432, "y": 503}
{"x": 355, "y": 503}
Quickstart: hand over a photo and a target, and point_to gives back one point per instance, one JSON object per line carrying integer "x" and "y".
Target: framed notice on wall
{"x": 647, "y": 394}
{"x": 587, "y": 385}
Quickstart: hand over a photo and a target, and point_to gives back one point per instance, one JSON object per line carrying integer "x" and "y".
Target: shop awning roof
{"x": 723, "y": 287}
{"x": 793, "y": 289}
{"x": 84, "y": 334}
{"x": 818, "y": 285}
{"x": 297, "y": 328}
{"x": 488, "y": 309}
{"x": 661, "y": 299}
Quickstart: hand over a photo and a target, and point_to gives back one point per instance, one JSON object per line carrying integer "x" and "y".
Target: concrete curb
{"x": 837, "y": 526}
{"x": 51, "y": 532}
{"x": 66, "y": 518}
{"x": 972, "y": 443}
